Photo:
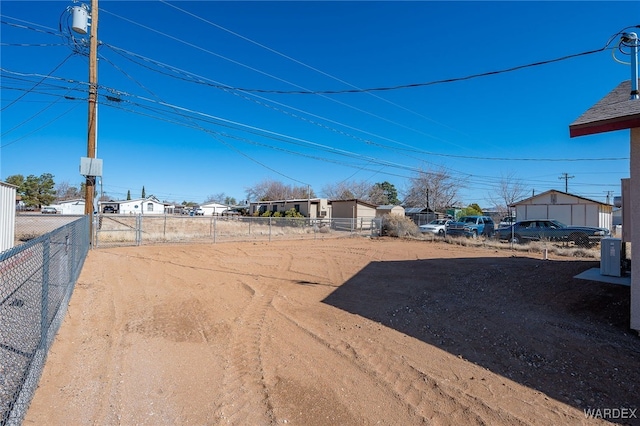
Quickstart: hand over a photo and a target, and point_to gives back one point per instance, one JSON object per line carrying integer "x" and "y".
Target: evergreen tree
{"x": 384, "y": 193}
{"x": 144, "y": 194}
{"x": 128, "y": 194}
{"x": 35, "y": 191}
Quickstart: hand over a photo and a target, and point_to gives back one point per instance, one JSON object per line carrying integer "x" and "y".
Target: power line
{"x": 261, "y": 132}
{"x": 301, "y": 63}
{"x": 566, "y": 178}
{"x": 448, "y": 80}
{"x": 226, "y": 87}
{"x": 36, "y": 85}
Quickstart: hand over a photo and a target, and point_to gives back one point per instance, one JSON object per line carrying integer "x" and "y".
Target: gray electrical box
{"x": 90, "y": 166}
{"x": 611, "y": 256}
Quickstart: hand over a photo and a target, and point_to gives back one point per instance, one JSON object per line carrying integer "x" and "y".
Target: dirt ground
{"x": 349, "y": 331}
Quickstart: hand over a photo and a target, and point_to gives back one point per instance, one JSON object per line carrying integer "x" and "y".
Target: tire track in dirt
{"x": 245, "y": 396}
{"x": 416, "y": 389}
{"x": 110, "y": 401}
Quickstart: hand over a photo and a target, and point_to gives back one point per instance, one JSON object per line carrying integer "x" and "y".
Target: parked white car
{"x": 437, "y": 226}
{"x": 507, "y": 221}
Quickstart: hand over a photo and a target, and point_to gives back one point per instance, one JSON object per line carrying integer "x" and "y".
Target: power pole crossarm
{"x": 566, "y": 178}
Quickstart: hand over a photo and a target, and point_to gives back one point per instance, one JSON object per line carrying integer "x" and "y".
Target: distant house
{"x": 314, "y": 208}
{"x": 390, "y": 209}
{"x": 150, "y": 205}
{"x": 70, "y": 207}
{"x": 567, "y": 208}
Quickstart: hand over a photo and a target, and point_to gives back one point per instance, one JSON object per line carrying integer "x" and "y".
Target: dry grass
{"x": 559, "y": 249}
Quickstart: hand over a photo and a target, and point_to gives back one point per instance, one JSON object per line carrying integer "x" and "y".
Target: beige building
{"x": 314, "y": 208}
{"x": 352, "y": 209}
{"x": 390, "y": 209}
{"x": 567, "y": 208}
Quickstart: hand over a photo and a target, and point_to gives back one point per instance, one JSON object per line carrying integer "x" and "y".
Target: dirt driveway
{"x": 339, "y": 332}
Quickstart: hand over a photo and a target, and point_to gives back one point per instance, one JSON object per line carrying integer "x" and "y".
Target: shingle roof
{"x": 613, "y": 112}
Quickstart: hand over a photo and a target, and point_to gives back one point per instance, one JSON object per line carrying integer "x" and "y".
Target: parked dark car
{"x": 471, "y": 226}
{"x": 551, "y": 230}
{"x": 109, "y": 209}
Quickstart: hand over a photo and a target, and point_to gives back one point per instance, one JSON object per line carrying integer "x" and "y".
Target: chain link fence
{"x": 122, "y": 230}
{"x": 37, "y": 278}
{"x": 31, "y": 225}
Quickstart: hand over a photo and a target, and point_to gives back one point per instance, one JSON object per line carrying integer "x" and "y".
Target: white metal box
{"x": 90, "y": 166}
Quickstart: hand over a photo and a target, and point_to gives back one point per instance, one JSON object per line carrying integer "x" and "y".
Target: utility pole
{"x": 609, "y": 194}
{"x": 92, "y": 124}
{"x": 566, "y": 178}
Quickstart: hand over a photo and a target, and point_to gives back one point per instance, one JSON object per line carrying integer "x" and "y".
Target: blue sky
{"x": 171, "y": 117}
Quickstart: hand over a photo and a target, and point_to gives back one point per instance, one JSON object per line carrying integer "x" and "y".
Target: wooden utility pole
{"x": 92, "y": 125}
{"x": 566, "y": 178}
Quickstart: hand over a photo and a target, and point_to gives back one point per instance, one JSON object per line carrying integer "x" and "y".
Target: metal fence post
{"x": 46, "y": 255}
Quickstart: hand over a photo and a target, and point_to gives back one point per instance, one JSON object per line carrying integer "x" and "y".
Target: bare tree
{"x": 216, "y": 198}
{"x": 510, "y": 189}
{"x": 347, "y": 190}
{"x": 435, "y": 189}
{"x": 274, "y": 190}
{"x": 65, "y": 191}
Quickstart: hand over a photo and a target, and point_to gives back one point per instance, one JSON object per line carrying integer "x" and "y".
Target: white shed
{"x": 7, "y": 215}
{"x": 567, "y": 208}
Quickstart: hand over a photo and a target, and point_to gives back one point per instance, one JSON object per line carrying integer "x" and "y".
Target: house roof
{"x": 354, "y": 200}
{"x": 293, "y": 200}
{"x": 389, "y": 207}
{"x": 213, "y": 204}
{"x": 149, "y": 198}
{"x": 74, "y": 201}
{"x": 613, "y": 112}
{"x": 558, "y": 192}
{"x": 415, "y": 210}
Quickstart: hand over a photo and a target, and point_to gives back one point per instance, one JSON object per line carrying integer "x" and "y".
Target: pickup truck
{"x": 471, "y": 226}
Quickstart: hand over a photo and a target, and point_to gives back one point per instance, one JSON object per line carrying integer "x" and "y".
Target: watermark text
{"x": 610, "y": 413}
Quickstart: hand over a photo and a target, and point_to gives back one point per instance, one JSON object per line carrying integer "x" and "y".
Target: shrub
{"x": 292, "y": 213}
{"x": 399, "y": 226}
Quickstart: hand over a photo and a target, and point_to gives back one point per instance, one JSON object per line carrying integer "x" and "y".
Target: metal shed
{"x": 7, "y": 215}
